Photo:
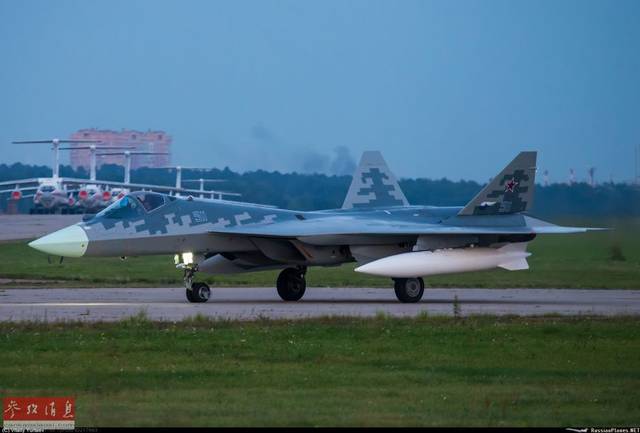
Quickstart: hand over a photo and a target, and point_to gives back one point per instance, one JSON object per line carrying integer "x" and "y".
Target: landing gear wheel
{"x": 199, "y": 292}
{"x": 291, "y": 284}
{"x": 409, "y": 290}
{"x": 190, "y": 297}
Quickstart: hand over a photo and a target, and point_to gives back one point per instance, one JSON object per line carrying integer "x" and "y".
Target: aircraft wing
{"x": 20, "y": 182}
{"x": 345, "y": 226}
{"x": 4, "y": 191}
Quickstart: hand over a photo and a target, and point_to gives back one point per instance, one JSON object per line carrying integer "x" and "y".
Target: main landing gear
{"x": 292, "y": 283}
{"x": 199, "y": 292}
{"x": 196, "y": 292}
{"x": 409, "y": 290}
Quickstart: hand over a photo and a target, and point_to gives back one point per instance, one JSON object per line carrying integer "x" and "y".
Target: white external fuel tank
{"x": 448, "y": 261}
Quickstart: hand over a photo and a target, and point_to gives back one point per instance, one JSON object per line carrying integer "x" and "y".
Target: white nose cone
{"x": 71, "y": 241}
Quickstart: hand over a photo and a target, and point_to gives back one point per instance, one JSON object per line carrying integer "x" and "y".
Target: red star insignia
{"x": 510, "y": 186}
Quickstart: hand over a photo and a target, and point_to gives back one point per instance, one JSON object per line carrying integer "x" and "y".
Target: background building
{"x": 153, "y": 141}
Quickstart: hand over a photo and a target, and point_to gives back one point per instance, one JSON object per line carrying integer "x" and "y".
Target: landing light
{"x": 183, "y": 259}
{"x": 187, "y": 258}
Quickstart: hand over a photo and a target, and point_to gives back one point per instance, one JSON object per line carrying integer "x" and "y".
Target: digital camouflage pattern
{"x": 509, "y": 192}
{"x": 374, "y": 185}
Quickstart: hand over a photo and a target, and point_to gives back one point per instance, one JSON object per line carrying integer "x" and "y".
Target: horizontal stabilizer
{"x": 519, "y": 263}
{"x": 516, "y": 265}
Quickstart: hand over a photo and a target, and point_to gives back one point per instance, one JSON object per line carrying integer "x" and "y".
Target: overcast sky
{"x": 443, "y": 88}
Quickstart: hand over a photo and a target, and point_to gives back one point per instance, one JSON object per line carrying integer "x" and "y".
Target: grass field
{"x": 478, "y": 371}
{"x": 589, "y": 260}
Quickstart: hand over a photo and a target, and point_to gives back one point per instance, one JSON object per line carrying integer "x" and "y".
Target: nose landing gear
{"x": 196, "y": 292}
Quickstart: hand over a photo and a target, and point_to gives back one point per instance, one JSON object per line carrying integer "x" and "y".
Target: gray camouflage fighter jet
{"x": 376, "y": 227}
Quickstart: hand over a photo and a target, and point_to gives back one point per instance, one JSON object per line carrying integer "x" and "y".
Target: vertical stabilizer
{"x": 374, "y": 185}
{"x": 509, "y": 192}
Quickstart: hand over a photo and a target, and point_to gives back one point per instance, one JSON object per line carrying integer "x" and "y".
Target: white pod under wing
{"x": 449, "y": 261}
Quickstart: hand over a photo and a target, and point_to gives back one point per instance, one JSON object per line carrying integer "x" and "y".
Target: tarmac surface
{"x": 249, "y": 303}
{"x": 18, "y": 227}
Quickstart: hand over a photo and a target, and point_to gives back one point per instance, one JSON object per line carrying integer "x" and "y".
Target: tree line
{"x": 320, "y": 191}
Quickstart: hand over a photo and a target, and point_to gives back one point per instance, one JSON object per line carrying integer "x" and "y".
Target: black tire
{"x": 409, "y": 290}
{"x": 190, "y": 297}
{"x": 198, "y": 293}
{"x": 291, "y": 284}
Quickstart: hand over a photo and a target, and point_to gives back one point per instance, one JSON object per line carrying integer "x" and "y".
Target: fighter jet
{"x": 376, "y": 228}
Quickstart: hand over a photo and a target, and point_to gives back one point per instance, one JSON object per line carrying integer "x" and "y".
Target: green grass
{"x": 589, "y": 260}
{"x": 478, "y": 371}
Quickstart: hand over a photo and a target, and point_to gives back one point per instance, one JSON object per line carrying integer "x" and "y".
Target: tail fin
{"x": 374, "y": 185}
{"x": 509, "y": 192}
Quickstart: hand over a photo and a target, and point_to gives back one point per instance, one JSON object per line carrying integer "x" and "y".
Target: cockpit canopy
{"x": 135, "y": 204}
{"x": 149, "y": 200}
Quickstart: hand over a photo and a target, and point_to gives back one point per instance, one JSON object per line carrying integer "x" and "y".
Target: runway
{"x": 249, "y": 303}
